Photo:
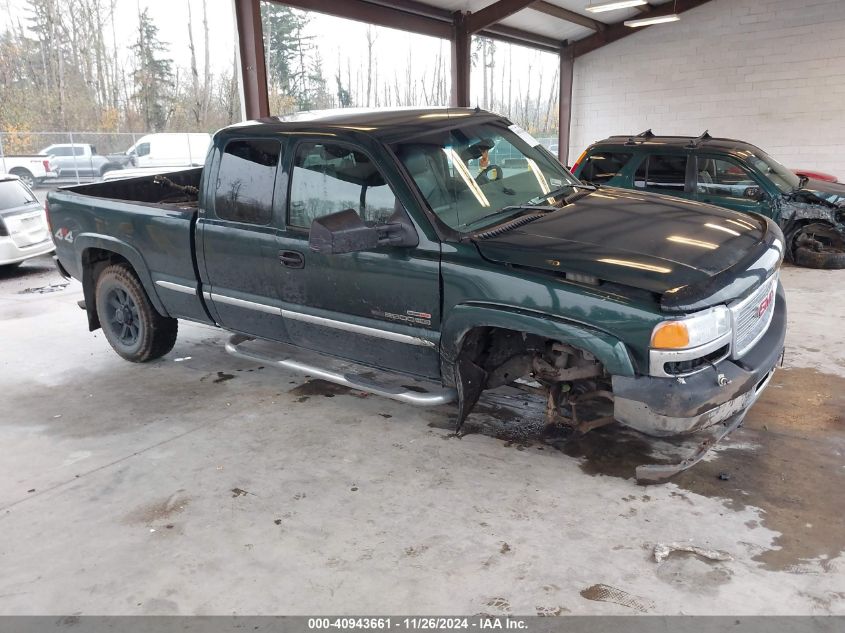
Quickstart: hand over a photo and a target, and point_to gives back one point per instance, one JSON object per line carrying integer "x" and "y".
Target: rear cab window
{"x": 603, "y": 166}
{"x": 246, "y": 180}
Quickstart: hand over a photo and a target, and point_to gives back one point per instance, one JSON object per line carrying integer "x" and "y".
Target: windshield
{"x": 783, "y": 179}
{"x": 469, "y": 173}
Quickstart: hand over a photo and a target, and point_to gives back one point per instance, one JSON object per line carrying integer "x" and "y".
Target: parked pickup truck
{"x": 32, "y": 169}
{"x": 376, "y": 237}
{"x": 81, "y": 160}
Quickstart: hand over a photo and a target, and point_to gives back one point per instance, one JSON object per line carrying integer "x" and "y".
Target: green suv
{"x": 731, "y": 174}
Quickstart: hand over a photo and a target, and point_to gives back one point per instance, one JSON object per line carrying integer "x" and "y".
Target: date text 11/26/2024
{"x": 417, "y": 623}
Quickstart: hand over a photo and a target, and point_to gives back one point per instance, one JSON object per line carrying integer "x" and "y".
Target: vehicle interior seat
{"x": 427, "y": 173}
{"x": 704, "y": 175}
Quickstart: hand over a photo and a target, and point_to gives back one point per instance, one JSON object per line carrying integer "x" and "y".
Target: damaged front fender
{"x": 789, "y": 210}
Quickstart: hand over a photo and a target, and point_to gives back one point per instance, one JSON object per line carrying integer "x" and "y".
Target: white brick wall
{"x": 770, "y": 72}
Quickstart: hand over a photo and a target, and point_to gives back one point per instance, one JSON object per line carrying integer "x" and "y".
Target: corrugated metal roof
{"x": 540, "y": 23}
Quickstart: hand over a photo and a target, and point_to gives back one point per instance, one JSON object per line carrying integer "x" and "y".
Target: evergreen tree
{"x": 153, "y": 76}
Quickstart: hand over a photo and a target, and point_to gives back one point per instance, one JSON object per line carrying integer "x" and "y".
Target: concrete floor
{"x": 200, "y": 484}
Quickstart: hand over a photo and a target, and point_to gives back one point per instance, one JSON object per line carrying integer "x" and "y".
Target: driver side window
{"x": 722, "y": 178}
{"x": 329, "y": 177}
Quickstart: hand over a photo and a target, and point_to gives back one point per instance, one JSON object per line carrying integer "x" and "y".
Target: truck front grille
{"x": 753, "y": 315}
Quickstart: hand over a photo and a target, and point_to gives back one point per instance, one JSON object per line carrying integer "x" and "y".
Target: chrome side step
{"x": 422, "y": 399}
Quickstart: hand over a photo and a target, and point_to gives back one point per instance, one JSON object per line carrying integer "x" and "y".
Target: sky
{"x": 336, "y": 39}
{"x": 171, "y": 18}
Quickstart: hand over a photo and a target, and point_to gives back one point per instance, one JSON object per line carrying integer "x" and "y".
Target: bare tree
{"x": 371, "y": 38}
{"x": 196, "y": 97}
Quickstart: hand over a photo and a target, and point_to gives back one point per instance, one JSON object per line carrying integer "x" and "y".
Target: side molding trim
{"x": 321, "y": 321}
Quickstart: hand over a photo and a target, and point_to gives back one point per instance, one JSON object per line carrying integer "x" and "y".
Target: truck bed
{"x": 149, "y": 221}
{"x": 155, "y": 189}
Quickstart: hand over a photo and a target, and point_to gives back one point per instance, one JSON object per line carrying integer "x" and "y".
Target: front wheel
{"x": 819, "y": 246}
{"x": 131, "y": 324}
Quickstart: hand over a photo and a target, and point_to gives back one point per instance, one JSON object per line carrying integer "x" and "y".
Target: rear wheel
{"x": 25, "y": 175}
{"x": 131, "y": 324}
{"x": 819, "y": 246}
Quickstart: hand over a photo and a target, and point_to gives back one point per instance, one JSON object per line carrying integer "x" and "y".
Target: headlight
{"x": 692, "y": 331}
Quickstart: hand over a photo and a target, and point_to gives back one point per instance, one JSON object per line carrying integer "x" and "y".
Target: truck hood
{"x": 831, "y": 192}
{"x": 648, "y": 241}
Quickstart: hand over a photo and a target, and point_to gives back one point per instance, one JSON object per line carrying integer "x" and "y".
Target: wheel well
{"x": 797, "y": 227}
{"x": 20, "y": 170}
{"x": 503, "y": 352}
{"x": 491, "y": 357}
{"x": 94, "y": 262}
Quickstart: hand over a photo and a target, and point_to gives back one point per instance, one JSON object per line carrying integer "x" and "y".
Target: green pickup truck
{"x": 391, "y": 239}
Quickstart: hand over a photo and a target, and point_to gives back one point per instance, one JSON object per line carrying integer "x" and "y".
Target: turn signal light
{"x": 670, "y": 335}
{"x": 578, "y": 162}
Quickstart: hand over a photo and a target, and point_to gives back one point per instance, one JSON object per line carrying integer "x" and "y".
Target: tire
{"x": 25, "y": 175}
{"x": 818, "y": 246}
{"x": 107, "y": 168}
{"x": 132, "y": 326}
{"x": 825, "y": 259}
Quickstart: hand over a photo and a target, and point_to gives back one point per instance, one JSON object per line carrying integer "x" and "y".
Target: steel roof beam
{"x": 388, "y": 15}
{"x": 494, "y": 13}
{"x": 567, "y": 15}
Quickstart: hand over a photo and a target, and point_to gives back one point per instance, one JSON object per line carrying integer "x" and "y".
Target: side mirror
{"x": 346, "y": 232}
{"x": 753, "y": 193}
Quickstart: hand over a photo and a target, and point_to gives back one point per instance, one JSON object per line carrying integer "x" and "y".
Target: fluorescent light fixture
{"x": 658, "y": 19}
{"x": 616, "y": 4}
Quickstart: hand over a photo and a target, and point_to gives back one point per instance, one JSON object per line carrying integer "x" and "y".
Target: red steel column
{"x": 461, "y": 62}
{"x": 251, "y": 47}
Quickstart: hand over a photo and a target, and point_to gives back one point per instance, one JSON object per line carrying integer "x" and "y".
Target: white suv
{"x": 24, "y": 232}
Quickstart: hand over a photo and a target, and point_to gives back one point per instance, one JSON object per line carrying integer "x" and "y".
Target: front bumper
{"x": 679, "y": 406}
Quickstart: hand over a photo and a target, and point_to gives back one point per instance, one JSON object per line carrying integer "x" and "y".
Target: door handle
{"x": 292, "y": 259}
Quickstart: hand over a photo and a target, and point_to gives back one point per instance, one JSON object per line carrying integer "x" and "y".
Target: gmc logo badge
{"x": 765, "y": 303}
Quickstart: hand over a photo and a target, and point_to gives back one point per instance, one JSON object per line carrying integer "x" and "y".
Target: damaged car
{"x": 731, "y": 174}
{"x": 400, "y": 243}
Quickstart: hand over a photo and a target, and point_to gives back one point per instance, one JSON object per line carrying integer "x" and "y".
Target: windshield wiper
{"x": 498, "y": 229}
{"x": 531, "y": 205}
{"x": 515, "y": 207}
{"x": 554, "y": 193}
